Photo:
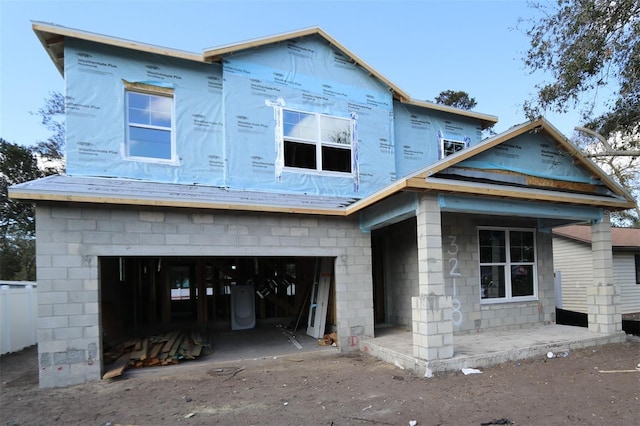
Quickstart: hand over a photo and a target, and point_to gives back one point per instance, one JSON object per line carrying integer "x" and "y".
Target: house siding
{"x": 72, "y": 238}
{"x": 624, "y": 274}
{"x": 573, "y": 260}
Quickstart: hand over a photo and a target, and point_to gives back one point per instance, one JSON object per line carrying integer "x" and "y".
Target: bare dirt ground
{"x": 593, "y": 386}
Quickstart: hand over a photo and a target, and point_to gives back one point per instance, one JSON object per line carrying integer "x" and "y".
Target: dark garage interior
{"x": 144, "y": 297}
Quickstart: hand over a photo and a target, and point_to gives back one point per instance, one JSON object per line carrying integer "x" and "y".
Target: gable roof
{"x": 434, "y": 178}
{"x": 620, "y": 237}
{"x": 52, "y": 38}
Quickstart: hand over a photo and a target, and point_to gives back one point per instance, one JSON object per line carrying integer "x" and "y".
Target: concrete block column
{"x": 431, "y": 310}
{"x": 604, "y": 309}
{"x": 603, "y": 299}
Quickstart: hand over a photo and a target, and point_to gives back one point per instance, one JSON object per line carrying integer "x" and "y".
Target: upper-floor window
{"x": 149, "y": 132}
{"x": 507, "y": 264}
{"x": 451, "y": 146}
{"x": 316, "y": 142}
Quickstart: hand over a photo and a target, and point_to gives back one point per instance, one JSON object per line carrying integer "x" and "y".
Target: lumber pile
{"x": 158, "y": 350}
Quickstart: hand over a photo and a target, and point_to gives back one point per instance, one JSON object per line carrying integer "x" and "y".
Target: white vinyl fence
{"x": 18, "y": 312}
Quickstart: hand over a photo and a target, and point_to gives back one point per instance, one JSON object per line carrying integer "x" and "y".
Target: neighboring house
{"x": 573, "y": 263}
{"x": 258, "y": 180}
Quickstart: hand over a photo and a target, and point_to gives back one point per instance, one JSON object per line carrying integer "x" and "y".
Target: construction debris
{"x": 330, "y": 339}
{"x": 163, "y": 349}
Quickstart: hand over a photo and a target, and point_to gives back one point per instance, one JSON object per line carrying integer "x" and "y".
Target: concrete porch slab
{"x": 395, "y": 345}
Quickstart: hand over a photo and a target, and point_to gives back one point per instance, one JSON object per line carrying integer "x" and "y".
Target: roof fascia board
{"x": 25, "y": 194}
{"x": 584, "y": 161}
{"x": 476, "y": 188}
{"x": 58, "y": 61}
{"x": 42, "y": 29}
{"x": 382, "y": 194}
{"x": 486, "y": 119}
{"x": 542, "y": 125}
{"x": 216, "y": 53}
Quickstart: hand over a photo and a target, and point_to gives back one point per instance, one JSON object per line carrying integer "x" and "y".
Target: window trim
{"x": 454, "y": 141}
{"x": 150, "y": 90}
{"x": 318, "y": 144}
{"x": 508, "y": 265}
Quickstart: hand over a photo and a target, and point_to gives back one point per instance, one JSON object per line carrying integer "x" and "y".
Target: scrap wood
{"x": 237, "y": 370}
{"x": 186, "y": 348}
{"x": 118, "y": 367}
{"x": 637, "y": 370}
{"x": 164, "y": 349}
{"x": 176, "y": 344}
{"x": 141, "y": 353}
{"x": 290, "y": 335}
{"x": 155, "y": 350}
{"x": 196, "y": 338}
{"x": 196, "y": 351}
{"x": 170, "y": 341}
{"x": 328, "y": 339}
{"x": 145, "y": 349}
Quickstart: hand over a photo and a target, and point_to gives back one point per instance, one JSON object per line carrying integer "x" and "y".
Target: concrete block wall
{"x": 401, "y": 268}
{"x": 432, "y": 309}
{"x": 460, "y": 254}
{"x": 71, "y": 238}
{"x": 603, "y": 296}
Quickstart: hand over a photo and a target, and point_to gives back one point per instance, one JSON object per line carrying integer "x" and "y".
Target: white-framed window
{"x": 316, "y": 142}
{"x": 508, "y": 269}
{"x": 450, "y": 146}
{"x": 149, "y": 125}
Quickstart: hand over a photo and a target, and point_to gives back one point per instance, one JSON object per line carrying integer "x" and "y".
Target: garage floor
{"x": 262, "y": 341}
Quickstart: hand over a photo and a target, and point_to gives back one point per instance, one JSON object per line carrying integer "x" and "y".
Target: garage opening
{"x": 215, "y": 298}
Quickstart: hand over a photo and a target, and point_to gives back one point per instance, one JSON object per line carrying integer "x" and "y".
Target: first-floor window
{"x": 507, "y": 264}
{"x": 637, "y": 260}
{"x": 149, "y": 126}
{"x": 316, "y": 142}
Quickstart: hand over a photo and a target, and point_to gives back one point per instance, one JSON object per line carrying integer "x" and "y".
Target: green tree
{"x": 591, "y": 50}
{"x": 17, "y": 220}
{"x": 457, "y": 99}
{"x": 21, "y": 164}
{"x": 461, "y": 99}
{"x": 52, "y": 117}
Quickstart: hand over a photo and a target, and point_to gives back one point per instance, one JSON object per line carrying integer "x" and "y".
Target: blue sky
{"x": 422, "y": 46}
